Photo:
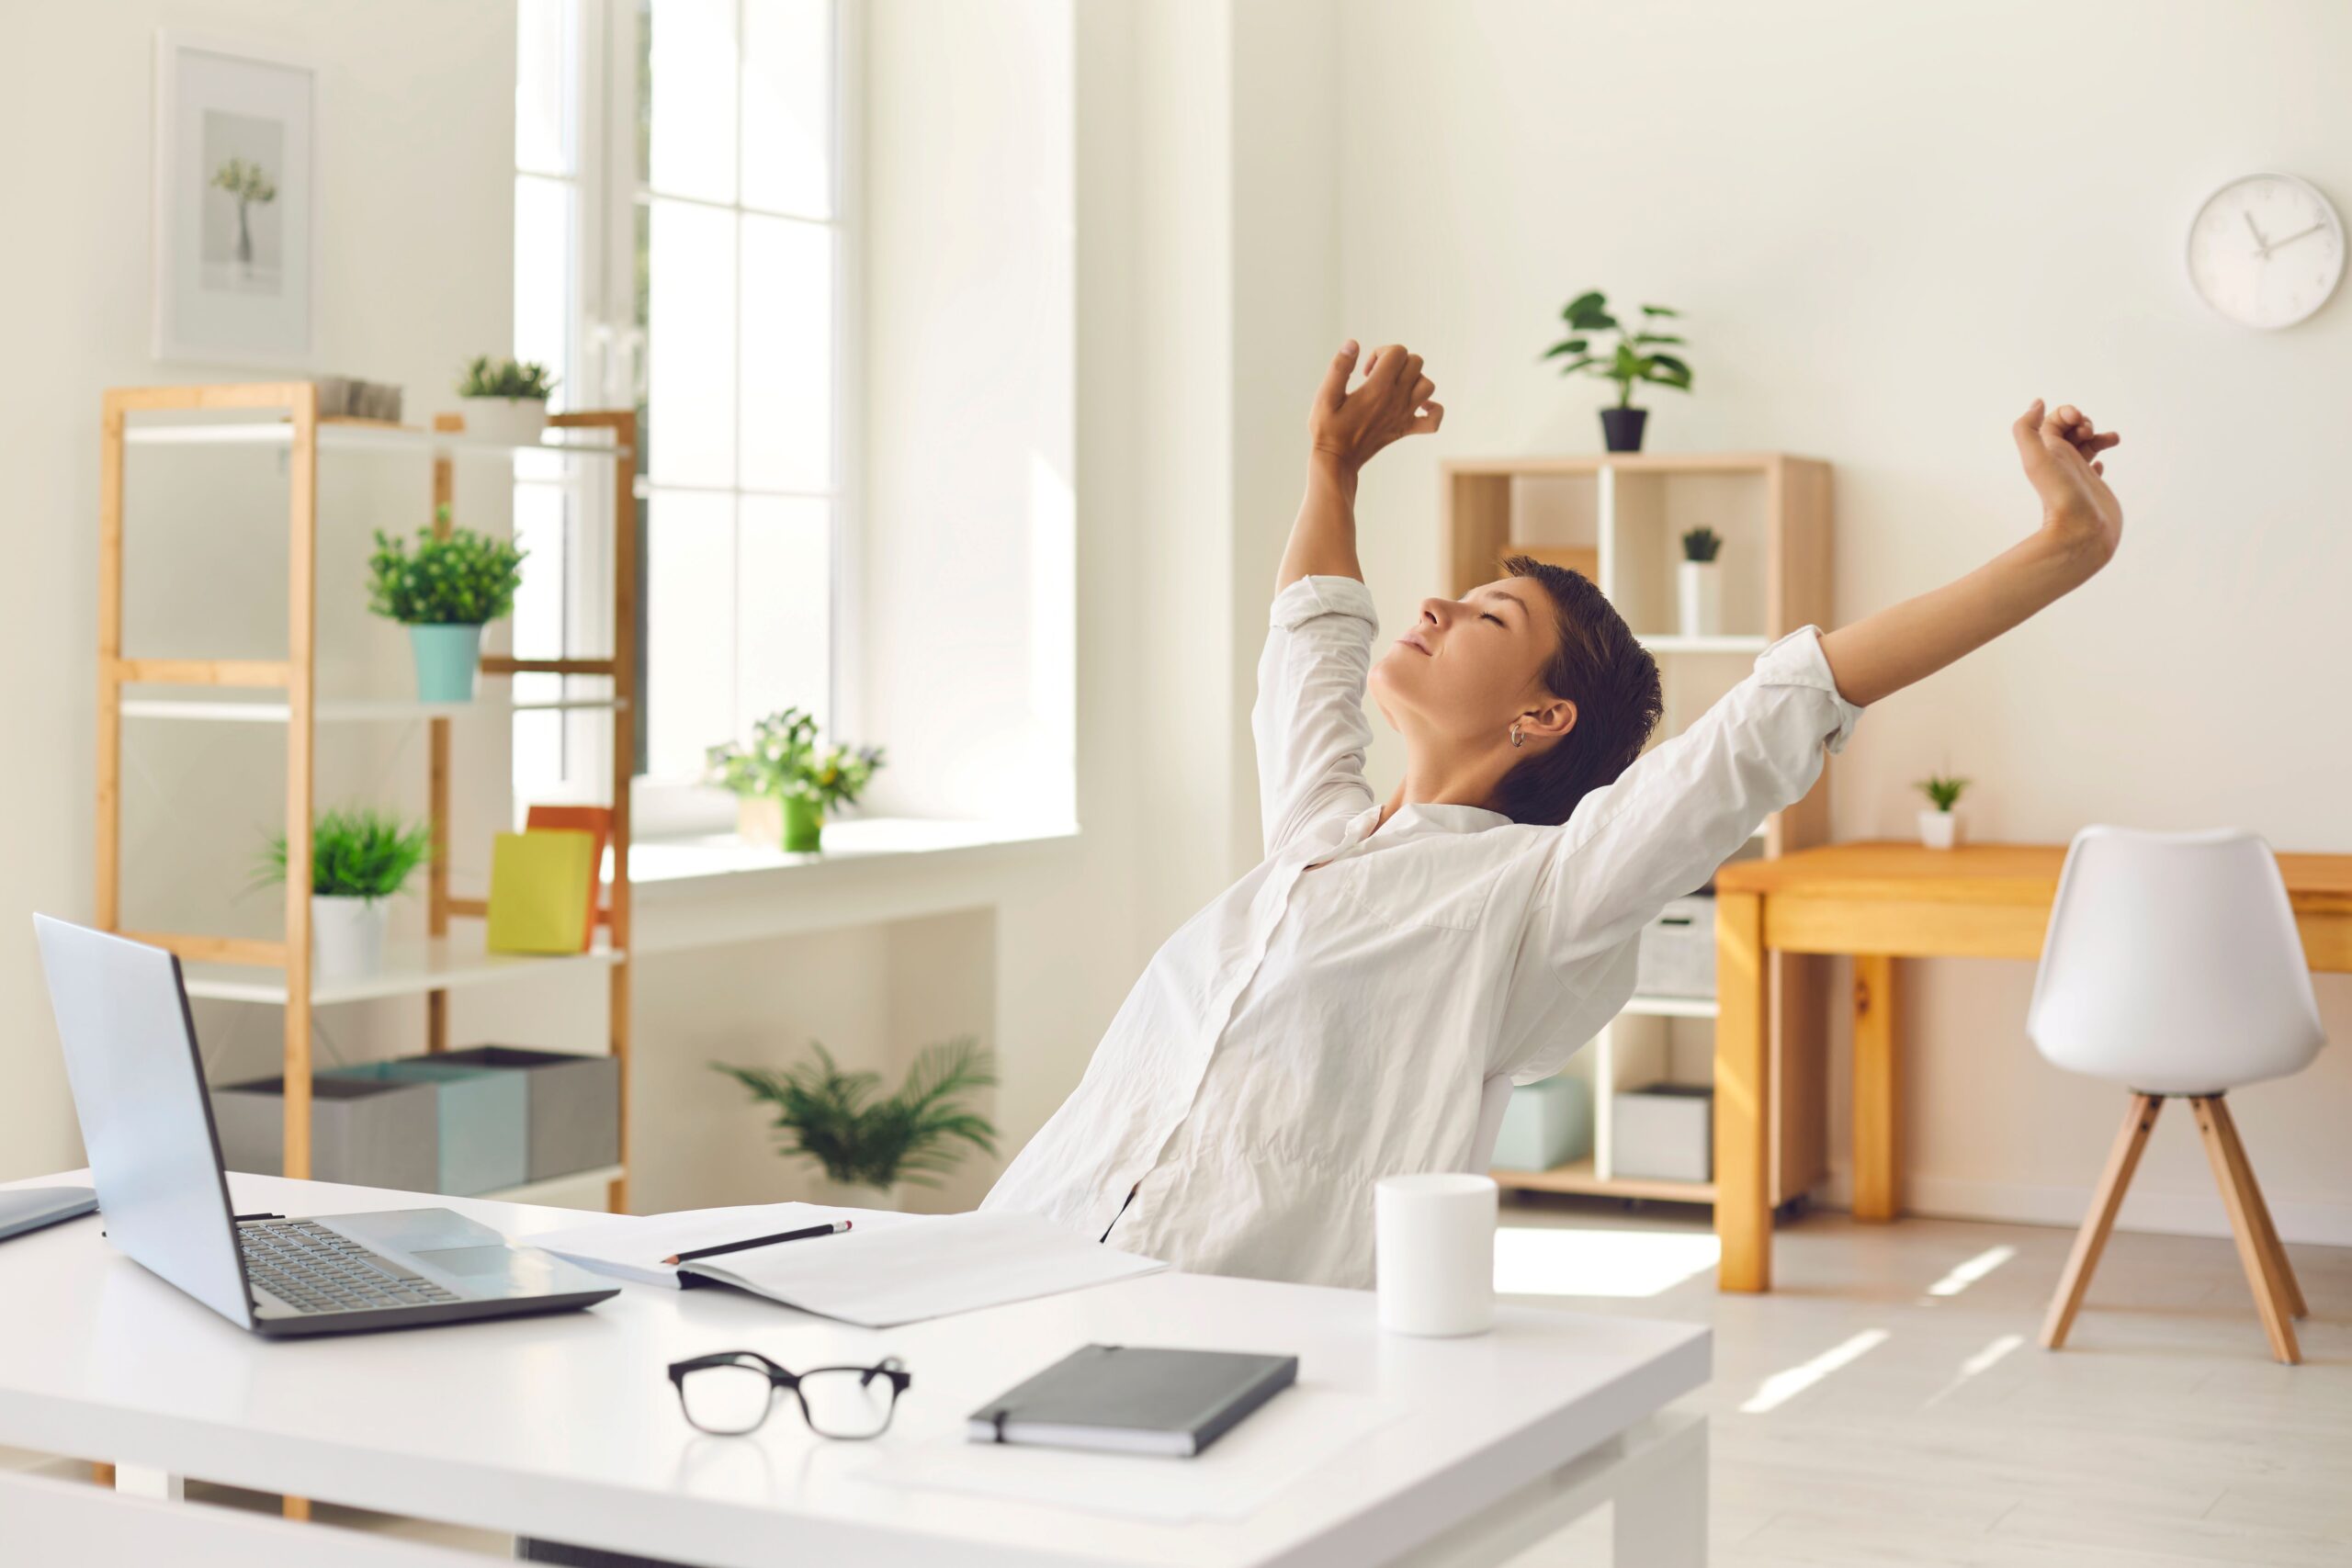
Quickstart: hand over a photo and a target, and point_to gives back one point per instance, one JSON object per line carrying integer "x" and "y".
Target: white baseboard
{"x": 2318, "y": 1223}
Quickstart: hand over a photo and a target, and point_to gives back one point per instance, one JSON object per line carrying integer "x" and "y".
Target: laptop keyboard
{"x": 311, "y": 1269}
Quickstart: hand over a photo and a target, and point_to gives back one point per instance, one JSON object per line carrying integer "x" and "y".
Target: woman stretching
{"x": 1337, "y": 1015}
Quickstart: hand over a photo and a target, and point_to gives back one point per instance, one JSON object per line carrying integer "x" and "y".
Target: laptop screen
{"x": 146, "y": 1123}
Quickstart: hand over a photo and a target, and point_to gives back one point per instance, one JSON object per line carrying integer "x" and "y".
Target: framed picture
{"x": 235, "y": 221}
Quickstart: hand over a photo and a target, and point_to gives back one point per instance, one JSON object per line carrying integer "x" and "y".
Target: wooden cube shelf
{"x": 1618, "y": 518}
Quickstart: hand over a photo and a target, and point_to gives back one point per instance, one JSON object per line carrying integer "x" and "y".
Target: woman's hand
{"x": 2081, "y": 525}
{"x": 2080, "y": 516}
{"x": 1392, "y": 399}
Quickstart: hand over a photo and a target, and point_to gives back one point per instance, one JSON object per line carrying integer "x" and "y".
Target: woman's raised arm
{"x": 2081, "y": 525}
{"x": 1344, "y": 429}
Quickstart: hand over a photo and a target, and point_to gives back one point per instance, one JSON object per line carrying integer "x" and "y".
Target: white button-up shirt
{"x": 1333, "y": 1016}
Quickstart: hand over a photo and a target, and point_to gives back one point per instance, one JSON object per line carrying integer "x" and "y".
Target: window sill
{"x": 682, "y": 861}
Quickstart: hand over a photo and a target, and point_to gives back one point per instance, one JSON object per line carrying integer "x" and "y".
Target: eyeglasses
{"x": 730, "y": 1393}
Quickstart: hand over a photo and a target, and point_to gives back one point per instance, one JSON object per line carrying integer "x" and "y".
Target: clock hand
{"x": 2258, "y": 240}
{"x": 2303, "y": 234}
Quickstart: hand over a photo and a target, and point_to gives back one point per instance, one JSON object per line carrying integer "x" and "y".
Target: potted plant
{"x": 1699, "y": 583}
{"x": 784, "y": 784}
{"x": 359, "y": 858}
{"x": 1939, "y": 821}
{"x": 861, "y": 1141}
{"x": 1631, "y": 361}
{"x": 445, "y": 593}
{"x": 506, "y": 399}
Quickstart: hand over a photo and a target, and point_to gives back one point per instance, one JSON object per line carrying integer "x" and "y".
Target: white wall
{"x": 414, "y": 274}
{"x": 1880, "y": 223}
{"x": 964, "y": 665}
{"x": 1029, "y": 948}
{"x": 1893, "y": 226}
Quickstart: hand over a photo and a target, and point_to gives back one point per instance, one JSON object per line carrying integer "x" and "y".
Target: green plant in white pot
{"x": 862, "y": 1138}
{"x": 1699, "y": 584}
{"x": 505, "y": 399}
{"x": 785, "y": 782}
{"x": 444, "y": 591}
{"x": 359, "y": 859}
{"x": 1939, "y": 821}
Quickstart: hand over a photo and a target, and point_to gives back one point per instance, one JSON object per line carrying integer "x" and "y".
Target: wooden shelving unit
{"x": 284, "y": 415}
{"x": 1618, "y": 518}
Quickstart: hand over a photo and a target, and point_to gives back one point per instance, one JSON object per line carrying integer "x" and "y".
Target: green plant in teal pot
{"x": 862, "y": 1137}
{"x": 785, "y": 782}
{"x": 444, "y": 589}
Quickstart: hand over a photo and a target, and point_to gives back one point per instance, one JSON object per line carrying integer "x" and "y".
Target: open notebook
{"x": 888, "y": 1269}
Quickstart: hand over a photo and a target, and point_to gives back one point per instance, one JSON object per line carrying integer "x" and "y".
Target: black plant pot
{"x": 1620, "y": 429}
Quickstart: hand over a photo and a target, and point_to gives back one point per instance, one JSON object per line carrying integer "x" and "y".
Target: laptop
{"x": 138, "y": 1081}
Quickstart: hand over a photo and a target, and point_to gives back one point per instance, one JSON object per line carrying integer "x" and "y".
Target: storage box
{"x": 1678, "y": 951}
{"x": 1545, "y": 1124}
{"x": 368, "y": 1134}
{"x": 1664, "y": 1132}
{"x": 482, "y": 1114}
{"x": 571, "y": 1106}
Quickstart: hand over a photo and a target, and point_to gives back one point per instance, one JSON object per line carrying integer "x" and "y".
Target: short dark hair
{"x": 1602, "y": 668}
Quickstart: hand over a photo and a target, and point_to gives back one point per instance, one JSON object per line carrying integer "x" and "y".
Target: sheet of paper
{"x": 1295, "y": 1433}
{"x": 941, "y": 1264}
{"x": 631, "y": 1246}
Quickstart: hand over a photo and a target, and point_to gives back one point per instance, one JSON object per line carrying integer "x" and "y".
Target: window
{"x": 680, "y": 244}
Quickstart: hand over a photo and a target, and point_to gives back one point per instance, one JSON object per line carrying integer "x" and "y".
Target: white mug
{"x": 1434, "y": 1239}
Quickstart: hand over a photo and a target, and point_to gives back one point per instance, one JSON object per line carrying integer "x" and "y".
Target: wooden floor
{"x": 1888, "y": 1407}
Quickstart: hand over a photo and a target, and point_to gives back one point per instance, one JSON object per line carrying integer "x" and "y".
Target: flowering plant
{"x": 784, "y": 760}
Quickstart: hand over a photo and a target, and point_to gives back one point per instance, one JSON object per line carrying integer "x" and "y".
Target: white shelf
{"x": 343, "y": 437}
{"x": 411, "y": 968}
{"x": 342, "y": 710}
{"x": 1673, "y": 1007}
{"x": 1705, "y": 644}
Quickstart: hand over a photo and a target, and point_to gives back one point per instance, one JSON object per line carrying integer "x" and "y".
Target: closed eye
{"x": 1490, "y": 615}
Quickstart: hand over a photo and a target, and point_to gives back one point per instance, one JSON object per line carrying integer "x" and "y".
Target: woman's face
{"x": 1467, "y": 667}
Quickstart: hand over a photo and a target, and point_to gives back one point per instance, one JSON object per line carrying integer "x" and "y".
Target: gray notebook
{"x": 1132, "y": 1399}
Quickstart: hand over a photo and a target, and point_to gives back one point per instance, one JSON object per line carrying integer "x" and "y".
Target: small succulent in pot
{"x": 1939, "y": 825}
{"x": 1699, "y": 584}
{"x": 516, "y": 380}
{"x": 359, "y": 858}
{"x": 506, "y": 399}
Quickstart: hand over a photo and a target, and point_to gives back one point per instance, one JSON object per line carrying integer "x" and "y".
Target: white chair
{"x": 2172, "y": 967}
{"x": 63, "y": 1523}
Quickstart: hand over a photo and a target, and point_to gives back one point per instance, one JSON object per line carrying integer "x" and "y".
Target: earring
{"x": 1516, "y": 738}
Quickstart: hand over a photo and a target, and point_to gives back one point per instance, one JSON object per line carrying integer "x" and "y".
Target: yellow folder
{"x": 540, "y": 882}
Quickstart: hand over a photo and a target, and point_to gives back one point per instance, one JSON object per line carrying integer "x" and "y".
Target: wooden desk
{"x": 1879, "y": 902}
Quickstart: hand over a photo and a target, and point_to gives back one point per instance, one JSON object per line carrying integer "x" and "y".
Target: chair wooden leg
{"x": 2240, "y": 1197}
{"x": 2091, "y": 1240}
{"x": 2267, "y": 1228}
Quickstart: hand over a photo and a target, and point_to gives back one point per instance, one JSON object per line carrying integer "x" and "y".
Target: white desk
{"x": 565, "y": 1427}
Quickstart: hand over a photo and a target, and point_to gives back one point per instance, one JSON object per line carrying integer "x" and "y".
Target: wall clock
{"x": 2265, "y": 250}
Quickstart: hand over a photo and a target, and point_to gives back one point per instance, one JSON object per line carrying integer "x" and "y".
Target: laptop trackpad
{"x": 469, "y": 1260}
